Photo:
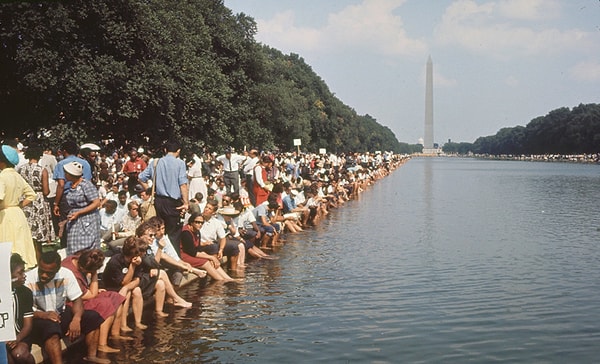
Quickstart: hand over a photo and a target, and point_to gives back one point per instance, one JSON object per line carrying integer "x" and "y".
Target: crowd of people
{"x": 134, "y": 223}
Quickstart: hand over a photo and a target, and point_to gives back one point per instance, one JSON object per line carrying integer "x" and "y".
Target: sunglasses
{"x": 198, "y": 221}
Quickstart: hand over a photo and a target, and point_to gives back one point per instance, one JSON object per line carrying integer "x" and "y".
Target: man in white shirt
{"x": 231, "y": 169}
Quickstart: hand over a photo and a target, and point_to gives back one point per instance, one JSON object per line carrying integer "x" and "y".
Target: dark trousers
{"x": 232, "y": 179}
{"x": 166, "y": 209}
{"x": 250, "y": 188}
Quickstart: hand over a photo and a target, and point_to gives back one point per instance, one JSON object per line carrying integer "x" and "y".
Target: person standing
{"x": 69, "y": 151}
{"x": 83, "y": 221}
{"x": 38, "y": 213}
{"x": 260, "y": 183}
{"x": 248, "y": 168}
{"x": 15, "y": 193}
{"x": 132, "y": 168}
{"x": 231, "y": 169}
{"x": 172, "y": 199}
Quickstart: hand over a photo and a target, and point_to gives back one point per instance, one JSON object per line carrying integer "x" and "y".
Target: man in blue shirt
{"x": 171, "y": 190}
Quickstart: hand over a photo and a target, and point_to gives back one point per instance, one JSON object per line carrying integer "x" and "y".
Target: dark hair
{"x": 238, "y": 205}
{"x": 172, "y": 146}
{"x": 50, "y": 257}
{"x": 113, "y": 203}
{"x": 213, "y": 202}
{"x": 70, "y": 147}
{"x": 91, "y": 259}
{"x": 16, "y": 261}
{"x": 156, "y": 221}
{"x": 131, "y": 246}
{"x": 142, "y": 228}
{"x": 193, "y": 217}
{"x": 199, "y": 196}
{"x": 122, "y": 193}
{"x": 33, "y": 152}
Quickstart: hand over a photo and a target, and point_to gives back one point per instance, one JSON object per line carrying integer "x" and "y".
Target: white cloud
{"x": 370, "y": 26}
{"x": 494, "y": 29}
{"x": 586, "y": 71}
{"x": 529, "y": 9}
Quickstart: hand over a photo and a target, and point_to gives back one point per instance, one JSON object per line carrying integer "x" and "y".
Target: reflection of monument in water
{"x": 428, "y": 147}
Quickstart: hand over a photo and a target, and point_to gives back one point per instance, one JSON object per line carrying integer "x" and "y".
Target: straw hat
{"x": 228, "y": 210}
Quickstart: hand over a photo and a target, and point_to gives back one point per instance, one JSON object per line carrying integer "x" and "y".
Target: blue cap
{"x": 11, "y": 154}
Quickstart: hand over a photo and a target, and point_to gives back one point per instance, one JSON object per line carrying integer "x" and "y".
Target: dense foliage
{"x": 562, "y": 131}
{"x": 140, "y": 72}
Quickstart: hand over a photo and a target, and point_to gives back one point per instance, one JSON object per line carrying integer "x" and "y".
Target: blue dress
{"x": 83, "y": 232}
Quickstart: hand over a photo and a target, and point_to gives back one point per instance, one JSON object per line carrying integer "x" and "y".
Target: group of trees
{"x": 561, "y": 131}
{"x": 140, "y": 72}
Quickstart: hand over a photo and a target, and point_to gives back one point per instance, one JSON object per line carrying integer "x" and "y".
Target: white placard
{"x": 322, "y": 151}
{"x": 297, "y": 142}
{"x": 7, "y": 321}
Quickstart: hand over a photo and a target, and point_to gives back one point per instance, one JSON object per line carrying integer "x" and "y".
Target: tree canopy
{"x": 139, "y": 72}
{"x": 561, "y": 131}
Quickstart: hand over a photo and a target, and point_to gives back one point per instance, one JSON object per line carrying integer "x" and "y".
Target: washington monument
{"x": 428, "y": 139}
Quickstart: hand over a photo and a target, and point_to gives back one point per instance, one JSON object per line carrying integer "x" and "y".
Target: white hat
{"x": 74, "y": 169}
{"x": 294, "y": 192}
{"x": 228, "y": 210}
{"x": 90, "y": 146}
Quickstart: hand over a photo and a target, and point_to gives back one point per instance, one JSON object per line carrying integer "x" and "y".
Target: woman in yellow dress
{"x": 14, "y": 194}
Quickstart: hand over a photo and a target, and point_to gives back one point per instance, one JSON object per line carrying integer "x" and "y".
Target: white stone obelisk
{"x": 428, "y": 139}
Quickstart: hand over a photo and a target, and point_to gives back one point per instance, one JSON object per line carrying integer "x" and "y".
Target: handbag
{"x": 147, "y": 209}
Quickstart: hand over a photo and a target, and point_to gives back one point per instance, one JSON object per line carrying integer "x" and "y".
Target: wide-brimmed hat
{"x": 11, "y": 154}
{"x": 293, "y": 192}
{"x": 90, "y": 146}
{"x": 228, "y": 210}
{"x": 74, "y": 169}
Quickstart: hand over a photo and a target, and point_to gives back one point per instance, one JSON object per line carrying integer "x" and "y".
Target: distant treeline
{"x": 563, "y": 131}
{"x": 139, "y": 72}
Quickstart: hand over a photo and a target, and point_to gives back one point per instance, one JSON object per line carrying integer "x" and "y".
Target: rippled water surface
{"x": 446, "y": 260}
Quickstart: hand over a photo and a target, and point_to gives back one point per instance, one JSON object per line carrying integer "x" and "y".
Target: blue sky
{"x": 497, "y": 63}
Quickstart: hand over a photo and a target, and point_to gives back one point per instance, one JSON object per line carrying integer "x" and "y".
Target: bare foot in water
{"x": 126, "y": 329}
{"x": 161, "y": 314}
{"x": 184, "y": 304}
{"x": 141, "y": 326}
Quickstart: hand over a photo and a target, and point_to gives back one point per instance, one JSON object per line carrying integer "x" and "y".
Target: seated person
{"x": 152, "y": 269}
{"x": 291, "y": 206}
{"x": 19, "y": 350}
{"x": 248, "y": 231}
{"x": 226, "y": 216}
{"x": 108, "y": 304}
{"x": 59, "y": 309}
{"x": 122, "y": 201}
{"x": 192, "y": 253}
{"x": 270, "y": 231}
{"x": 168, "y": 256}
{"x": 123, "y": 273}
{"x": 127, "y": 227}
{"x": 213, "y": 238}
{"x": 109, "y": 221}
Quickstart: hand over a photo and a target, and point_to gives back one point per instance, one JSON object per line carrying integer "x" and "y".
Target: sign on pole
{"x": 298, "y": 143}
{"x": 7, "y": 321}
